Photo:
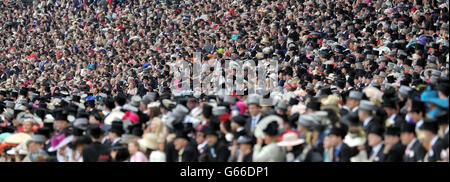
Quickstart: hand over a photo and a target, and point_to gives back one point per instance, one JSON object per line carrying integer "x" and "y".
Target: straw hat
{"x": 149, "y": 141}
{"x": 17, "y": 138}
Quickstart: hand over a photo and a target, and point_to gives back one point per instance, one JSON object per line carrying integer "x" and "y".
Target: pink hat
{"x": 134, "y": 118}
{"x": 242, "y": 106}
{"x": 56, "y": 140}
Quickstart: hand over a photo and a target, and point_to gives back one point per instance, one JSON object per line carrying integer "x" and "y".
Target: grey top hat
{"x": 149, "y": 97}
{"x": 253, "y": 99}
{"x": 229, "y": 99}
{"x": 367, "y": 105}
{"x": 355, "y": 95}
{"x": 135, "y": 101}
{"x": 81, "y": 123}
{"x": 38, "y": 138}
{"x": 219, "y": 110}
{"x": 307, "y": 120}
{"x": 281, "y": 106}
{"x": 404, "y": 90}
{"x": 266, "y": 102}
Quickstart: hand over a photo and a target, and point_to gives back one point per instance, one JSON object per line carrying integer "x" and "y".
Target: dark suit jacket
{"x": 396, "y": 153}
{"x": 445, "y": 141}
{"x": 380, "y": 155}
{"x": 190, "y": 154}
{"x": 95, "y": 152}
{"x": 418, "y": 154}
{"x": 221, "y": 152}
{"x": 344, "y": 154}
{"x": 437, "y": 148}
{"x": 248, "y": 125}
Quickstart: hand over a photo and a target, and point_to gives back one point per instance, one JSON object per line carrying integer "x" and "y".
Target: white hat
{"x": 290, "y": 139}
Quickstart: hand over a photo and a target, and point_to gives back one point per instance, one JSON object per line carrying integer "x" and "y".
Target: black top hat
{"x": 117, "y": 127}
{"x": 94, "y": 130}
{"x": 77, "y": 131}
{"x": 60, "y": 115}
{"x": 181, "y": 134}
{"x": 430, "y": 124}
{"x": 313, "y": 104}
{"x": 408, "y": 127}
{"x": 271, "y": 129}
{"x": 208, "y": 130}
{"x": 376, "y": 129}
{"x": 43, "y": 131}
{"x": 338, "y": 131}
{"x": 240, "y": 119}
{"x": 389, "y": 103}
{"x": 351, "y": 119}
{"x": 417, "y": 105}
{"x": 442, "y": 117}
{"x": 392, "y": 130}
{"x": 136, "y": 129}
{"x": 207, "y": 110}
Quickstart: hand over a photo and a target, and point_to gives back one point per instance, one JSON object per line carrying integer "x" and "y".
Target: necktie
{"x": 253, "y": 123}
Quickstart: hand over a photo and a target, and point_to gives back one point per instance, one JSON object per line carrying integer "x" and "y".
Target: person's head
{"x": 254, "y": 109}
{"x": 364, "y": 114}
{"x": 392, "y": 135}
{"x": 95, "y": 132}
{"x": 156, "y": 126}
{"x": 271, "y": 133}
{"x": 416, "y": 114}
{"x": 351, "y": 103}
{"x": 416, "y": 110}
{"x": 60, "y": 124}
{"x": 180, "y": 143}
{"x": 133, "y": 147}
{"x": 28, "y": 125}
{"x": 407, "y": 133}
{"x": 374, "y": 139}
{"x": 245, "y": 147}
{"x": 93, "y": 119}
{"x": 430, "y": 128}
{"x": 211, "y": 138}
{"x": 336, "y": 136}
{"x": 375, "y": 135}
{"x": 200, "y": 137}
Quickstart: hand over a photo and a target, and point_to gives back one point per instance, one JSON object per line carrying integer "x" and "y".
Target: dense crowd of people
{"x": 94, "y": 81}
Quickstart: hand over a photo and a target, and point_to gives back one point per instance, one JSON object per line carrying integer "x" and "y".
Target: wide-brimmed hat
{"x": 149, "y": 141}
{"x": 262, "y": 125}
{"x": 17, "y": 138}
{"x": 290, "y": 139}
{"x": 433, "y": 96}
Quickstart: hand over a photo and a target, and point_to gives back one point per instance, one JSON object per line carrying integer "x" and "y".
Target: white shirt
{"x": 433, "y": 141}
{"x": 366, "y": 122}
{"x": 411, "y": 143}
{"x": 391, "y": 119}
{"x": 446, "y": 131}
{"x": 377, "y": 148}
{"x": 419, "y": 124}
{"x": 115, "y": 141}
{"x": 355, "y": 109}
